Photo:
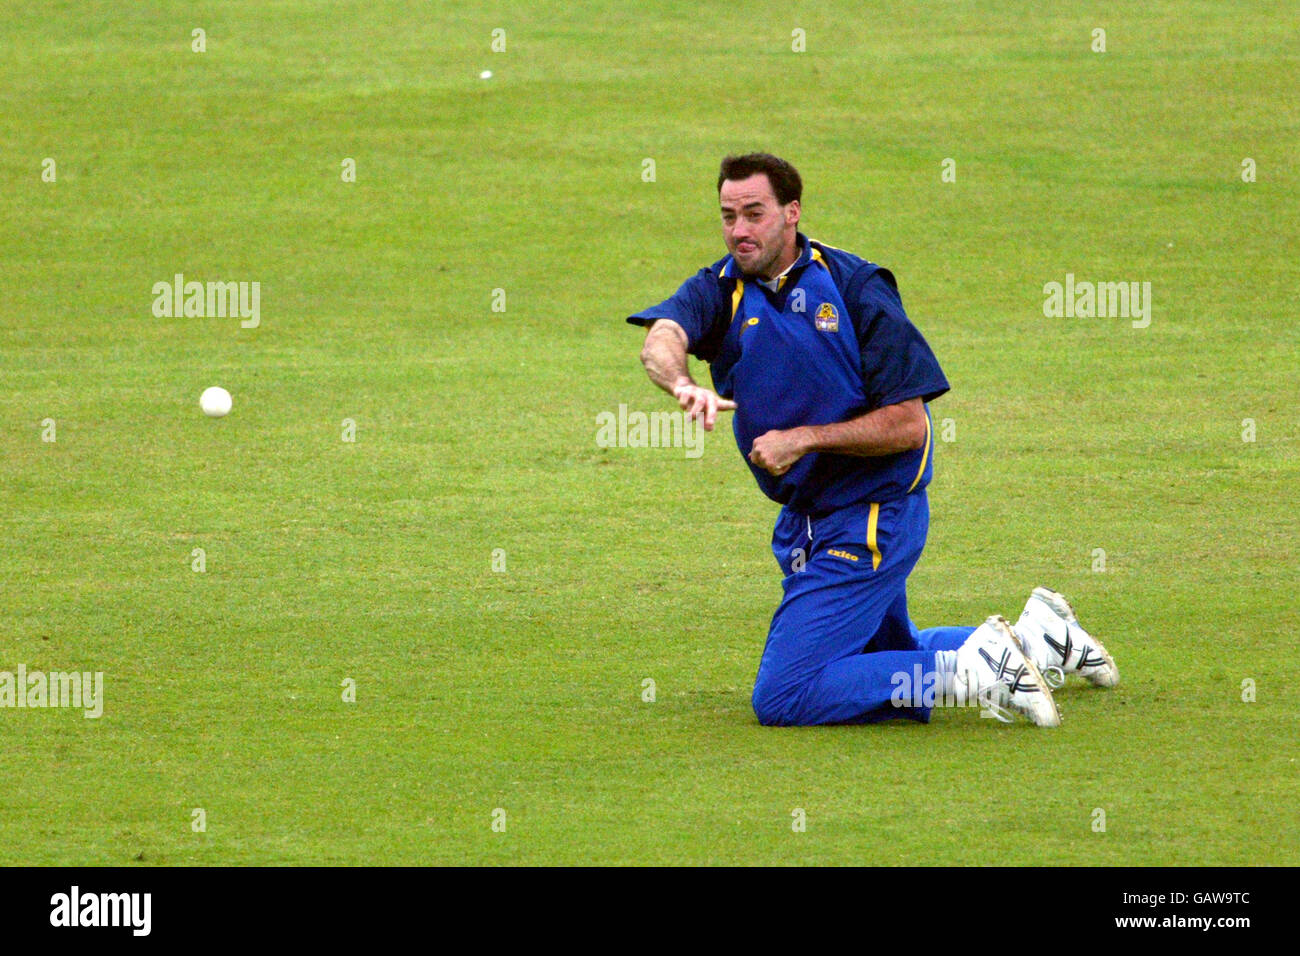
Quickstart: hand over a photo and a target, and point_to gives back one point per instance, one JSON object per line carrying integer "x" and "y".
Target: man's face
{"x": 755, "y": 227}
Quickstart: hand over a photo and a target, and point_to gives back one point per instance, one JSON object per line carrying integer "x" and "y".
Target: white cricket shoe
{"x": 1050, "y": 634}
{"x": 993, "y": 671}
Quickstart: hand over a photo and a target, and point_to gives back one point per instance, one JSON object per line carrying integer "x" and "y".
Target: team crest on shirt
{"x": 827, "y": 319}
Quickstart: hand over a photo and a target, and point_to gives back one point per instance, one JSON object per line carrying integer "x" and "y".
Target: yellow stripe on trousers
{"x": 871, "y": 535}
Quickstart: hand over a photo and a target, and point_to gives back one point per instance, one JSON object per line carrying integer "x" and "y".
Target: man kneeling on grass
{"x": 830, "y": 384}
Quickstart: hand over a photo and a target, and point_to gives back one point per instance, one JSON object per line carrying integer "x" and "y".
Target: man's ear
{"x": 792, "y": 212}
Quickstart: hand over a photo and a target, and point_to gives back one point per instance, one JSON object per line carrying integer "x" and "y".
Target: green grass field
{"x": 521, "y": 689}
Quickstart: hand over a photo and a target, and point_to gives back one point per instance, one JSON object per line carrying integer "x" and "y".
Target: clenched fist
{"x": 776, "y": 452}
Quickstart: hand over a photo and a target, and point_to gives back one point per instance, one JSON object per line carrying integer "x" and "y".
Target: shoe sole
{"x": 1107, "y": 676}
{"x": 1004, "y": 626}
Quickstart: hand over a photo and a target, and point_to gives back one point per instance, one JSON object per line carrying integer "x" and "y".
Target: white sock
{"x": 945, "y": 664}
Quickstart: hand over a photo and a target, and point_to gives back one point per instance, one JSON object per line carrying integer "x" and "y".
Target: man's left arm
{"x": 882, "y": 431}
{"x": 899, "y": 373}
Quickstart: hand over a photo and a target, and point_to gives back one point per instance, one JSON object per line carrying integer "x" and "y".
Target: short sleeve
{"x": 897, "y": 362}
{"x": 696, "y": 307}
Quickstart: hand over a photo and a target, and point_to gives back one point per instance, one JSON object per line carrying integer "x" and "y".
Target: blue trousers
{"x": 842, "y": 633}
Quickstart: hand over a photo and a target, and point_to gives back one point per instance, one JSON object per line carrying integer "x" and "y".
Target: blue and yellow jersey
{"x": 831, "y": 343}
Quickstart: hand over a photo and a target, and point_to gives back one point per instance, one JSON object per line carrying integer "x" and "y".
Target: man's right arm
{"x": 664, "y": 354}
{"x": 664, "y": 358}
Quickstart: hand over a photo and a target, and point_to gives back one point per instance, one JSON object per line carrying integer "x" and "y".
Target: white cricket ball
{"x": 215, "y": 401}
{"x": 485, "y": 75}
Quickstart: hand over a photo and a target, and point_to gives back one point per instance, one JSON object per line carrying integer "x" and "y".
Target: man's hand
{"x": 776, "y": 452}
{"x": 700, "y": 402}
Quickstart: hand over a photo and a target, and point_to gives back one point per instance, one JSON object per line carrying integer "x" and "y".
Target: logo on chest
{"x": 827, "y": 319}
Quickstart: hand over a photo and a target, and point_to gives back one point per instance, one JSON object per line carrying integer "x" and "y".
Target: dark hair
{"x": 783, "y": 177}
